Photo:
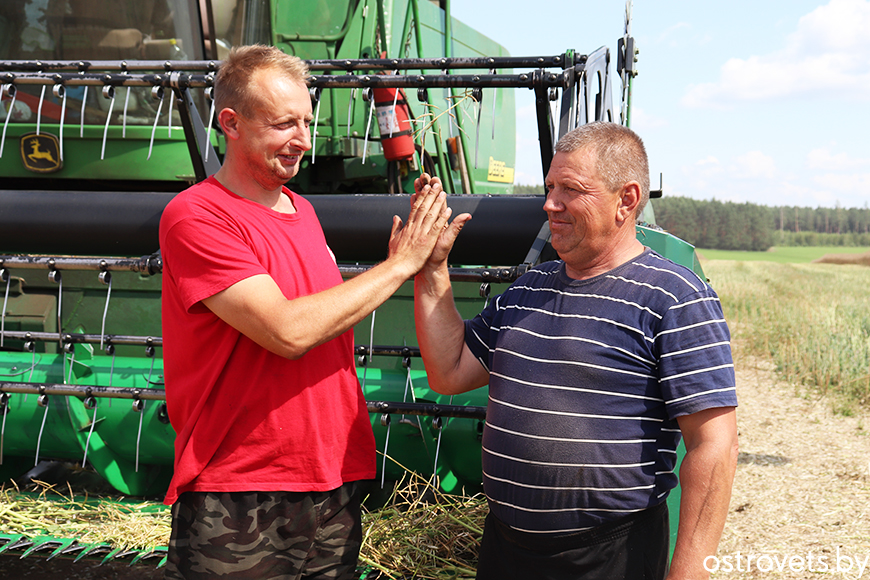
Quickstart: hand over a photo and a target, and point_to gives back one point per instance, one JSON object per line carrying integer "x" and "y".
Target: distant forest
{"x": 720, "y": 225}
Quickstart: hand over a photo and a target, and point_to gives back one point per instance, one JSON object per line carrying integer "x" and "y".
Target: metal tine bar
{"x": 10, "y": 91}
{"x": 391, "y": 407}
{"x": 65, "y": 390}
{"x": 80, "y": 263}
{"x": 147, "y": 264}
{"x": 74, "y": 338}
{"x": 350, "y": 81}
{"x": 109, "y": 93}
{"x": 546, "y": 61}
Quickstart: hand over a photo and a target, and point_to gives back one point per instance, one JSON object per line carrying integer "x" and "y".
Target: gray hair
{"x": 620, "y": 156}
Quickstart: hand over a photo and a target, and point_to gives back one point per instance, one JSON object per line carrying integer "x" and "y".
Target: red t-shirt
{"x": 247, "y": 419}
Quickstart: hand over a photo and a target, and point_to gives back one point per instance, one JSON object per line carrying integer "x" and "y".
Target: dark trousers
{"x": 633, "y": 548}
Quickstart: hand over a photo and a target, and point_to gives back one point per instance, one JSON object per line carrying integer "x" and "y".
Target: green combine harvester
{"x": 107, "y": 114}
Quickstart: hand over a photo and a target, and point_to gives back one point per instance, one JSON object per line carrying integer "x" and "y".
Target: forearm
{"x": 450, "y": 368}
{"x": 706, "y": 477}
{"x": 313, "y": 320}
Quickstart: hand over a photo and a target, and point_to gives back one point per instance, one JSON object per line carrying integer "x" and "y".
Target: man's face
{"x": 274, "y": 137}
{"x": 581, "y": 210}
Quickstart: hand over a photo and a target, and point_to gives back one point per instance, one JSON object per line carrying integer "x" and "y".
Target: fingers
{"x": 427, "y": 204}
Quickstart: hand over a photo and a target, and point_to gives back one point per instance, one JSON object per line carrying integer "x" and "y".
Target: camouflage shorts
{"x": 262, "y": 535}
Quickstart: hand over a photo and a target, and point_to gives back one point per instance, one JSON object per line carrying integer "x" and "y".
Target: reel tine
{"x": 314, "y": 134}
{"x": 4, "y": 276}
{"x": 371, "y": 346}
{"x": 395, "y": 122}
{"x": 385, "y": 419}
{"x": 109, "y": 93}
{"x": 209, "y": 93}
{"x": 169, "y": 115}
{"x": 156, "y": 93}
{"x": 368, "y": 124}
{"x": 10, "y": 91}
{"x": 105, "y": 278}
{"x": 82, "y": 117}
{"x": 93, "y": 401}
{"x": 39, "y": 109}
{"x": 42, "y": 402}
{"x": 59, "y": 92}
{"x": 124, "y": 116}
{"x": 4, "y": 404}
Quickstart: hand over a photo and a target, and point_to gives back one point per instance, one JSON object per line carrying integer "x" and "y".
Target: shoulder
{"x": 653, "y": 270}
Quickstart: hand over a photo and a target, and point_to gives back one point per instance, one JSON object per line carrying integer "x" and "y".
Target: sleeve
{"x": 206, "y": 255}
{"x": 696, "y": 371}
{"x": 480, "y": 333}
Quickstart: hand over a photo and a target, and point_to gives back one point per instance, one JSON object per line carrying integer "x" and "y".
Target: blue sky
{"x": 762, "y": 101}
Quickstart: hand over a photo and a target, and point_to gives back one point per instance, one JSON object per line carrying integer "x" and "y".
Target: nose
{"x": 551, "y": 202}
{"x": 301, "y": 138}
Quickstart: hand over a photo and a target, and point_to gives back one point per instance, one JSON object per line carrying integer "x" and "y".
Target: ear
{"x": 629, "y": 198}
{"x": 229, "y": 122}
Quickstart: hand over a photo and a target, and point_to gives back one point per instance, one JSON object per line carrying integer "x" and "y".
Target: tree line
{"x": 748, "y": 226}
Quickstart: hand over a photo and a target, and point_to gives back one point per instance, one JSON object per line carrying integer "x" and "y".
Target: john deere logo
{"x": 40, "y": 153}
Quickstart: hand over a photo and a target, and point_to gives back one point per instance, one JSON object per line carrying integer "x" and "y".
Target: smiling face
{"x": 276, "y": 134}
{"x": 587, "y": 219}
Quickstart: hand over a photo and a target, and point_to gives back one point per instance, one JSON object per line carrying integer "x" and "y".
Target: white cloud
{"x": 827, "y": 54}
{"x": 825, "y": 160}
{"x": 755, "y": 164}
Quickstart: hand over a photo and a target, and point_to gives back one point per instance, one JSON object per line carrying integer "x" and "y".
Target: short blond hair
{"x": 232, "y": 84}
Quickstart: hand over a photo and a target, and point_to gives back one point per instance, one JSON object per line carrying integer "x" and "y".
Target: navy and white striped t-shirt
{"x": 587, "y": 378}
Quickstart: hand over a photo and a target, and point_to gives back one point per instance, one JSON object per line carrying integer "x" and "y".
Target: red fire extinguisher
{"x": 394, "y": 123}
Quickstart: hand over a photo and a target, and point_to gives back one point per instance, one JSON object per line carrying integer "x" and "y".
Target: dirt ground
{"x": 801, "y": 501}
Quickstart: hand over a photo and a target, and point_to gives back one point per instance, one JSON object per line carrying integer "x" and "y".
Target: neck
{"x": 270, "y": 195}
{"x": 604, "y": 262}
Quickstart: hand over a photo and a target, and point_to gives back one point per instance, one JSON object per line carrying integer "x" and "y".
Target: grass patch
{"x": 49, "y": 511}
{"x": 780, "y": 254}
{"x": 812, "y": 320}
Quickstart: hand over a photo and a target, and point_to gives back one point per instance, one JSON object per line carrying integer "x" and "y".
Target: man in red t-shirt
{"x": 272, "y": 428}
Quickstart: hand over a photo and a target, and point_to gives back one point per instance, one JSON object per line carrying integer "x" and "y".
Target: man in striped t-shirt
{"x": 597, "y": 365}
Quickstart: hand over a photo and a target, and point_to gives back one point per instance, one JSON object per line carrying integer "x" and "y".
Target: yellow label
{"x": 499, "y": 172}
